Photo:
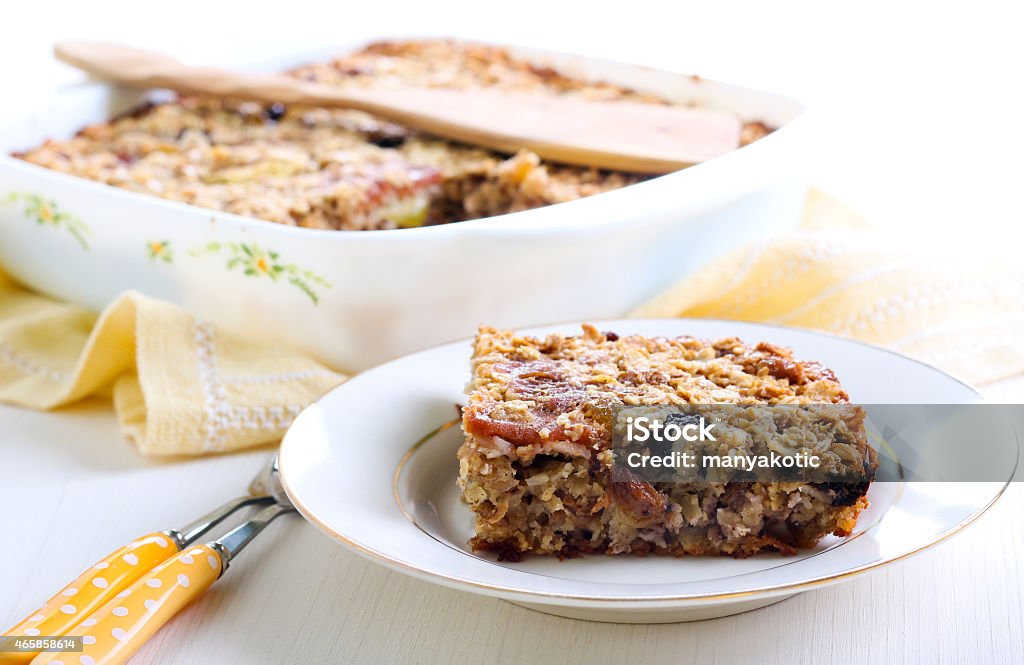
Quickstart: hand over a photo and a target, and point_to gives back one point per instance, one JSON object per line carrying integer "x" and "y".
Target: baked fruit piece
{"x": 537, "y": 462}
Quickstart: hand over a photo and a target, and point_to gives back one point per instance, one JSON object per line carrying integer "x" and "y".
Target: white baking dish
{"x": 353, "y": 299}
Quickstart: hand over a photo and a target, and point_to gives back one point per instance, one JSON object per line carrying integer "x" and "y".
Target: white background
{"x": 920, "y": 103}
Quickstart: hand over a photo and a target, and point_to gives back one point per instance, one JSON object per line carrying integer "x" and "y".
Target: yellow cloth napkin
{"x": 180, "y": 386}
{"x": 957, "y": 304}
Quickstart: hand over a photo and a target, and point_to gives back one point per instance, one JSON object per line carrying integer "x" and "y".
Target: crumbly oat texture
{"x": 340, "y": 169}
{"x": 538, "y": 470}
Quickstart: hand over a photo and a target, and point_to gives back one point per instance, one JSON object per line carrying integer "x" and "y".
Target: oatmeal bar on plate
{"x": 538, "y": 469}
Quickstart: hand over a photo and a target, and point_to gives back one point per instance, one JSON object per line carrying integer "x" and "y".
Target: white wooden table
{"x": 71, "y": 490}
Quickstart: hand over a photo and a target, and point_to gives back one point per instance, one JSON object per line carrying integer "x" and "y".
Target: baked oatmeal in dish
{"x": 538, "y": 469}
{"x": 341, "y": 169}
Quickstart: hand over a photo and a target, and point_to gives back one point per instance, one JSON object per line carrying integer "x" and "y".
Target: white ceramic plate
{"x": 351, "y": 465}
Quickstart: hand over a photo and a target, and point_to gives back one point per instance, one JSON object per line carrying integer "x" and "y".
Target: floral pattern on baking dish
{"x": 160, "y": 251}
{"x": 46, "y": 212}
{"x": 255, "y": 261}
{"x": 252, "y": 259}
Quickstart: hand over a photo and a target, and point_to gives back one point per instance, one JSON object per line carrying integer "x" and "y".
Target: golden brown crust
{"x": 527, "y": 390}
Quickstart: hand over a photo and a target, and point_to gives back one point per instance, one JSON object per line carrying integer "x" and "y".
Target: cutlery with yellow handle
{"x": 116, "y": 572}
{"x": 116, "y": 631}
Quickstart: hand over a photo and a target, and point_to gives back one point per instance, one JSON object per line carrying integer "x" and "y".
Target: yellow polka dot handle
{"x": 116, "y": 631}
{"x": 93, "y": 589}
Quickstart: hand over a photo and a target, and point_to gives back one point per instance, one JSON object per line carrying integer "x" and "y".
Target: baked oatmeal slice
{"x": 539, "y": 470}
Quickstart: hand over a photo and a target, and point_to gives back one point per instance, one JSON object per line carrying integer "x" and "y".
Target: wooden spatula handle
{"x": 627, "y": 136}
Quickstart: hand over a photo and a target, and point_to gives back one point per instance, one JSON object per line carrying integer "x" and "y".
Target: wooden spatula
{"x": 626, "y": 136}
